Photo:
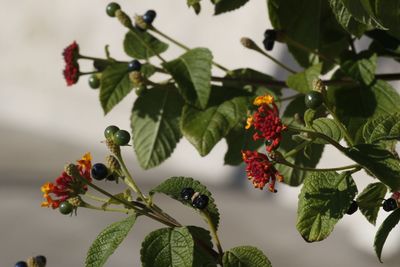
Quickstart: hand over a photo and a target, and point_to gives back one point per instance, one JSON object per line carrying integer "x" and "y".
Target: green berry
{"x": 121, "y": 137}
{"x": 141, "y": 90}
{"x": 65, "y": 207}
{"x": 112, "y": 8}
{"x": 110, "y": 131}
{"x": 94, "y": 81}
{"x": 313, "y": 99}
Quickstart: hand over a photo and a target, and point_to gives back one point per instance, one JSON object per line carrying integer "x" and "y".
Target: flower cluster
{"x": 260, "y": 170}
{"x": 65, "y": 186}
{"x": 268, "y": 126}
{"x": 71, "y": 71}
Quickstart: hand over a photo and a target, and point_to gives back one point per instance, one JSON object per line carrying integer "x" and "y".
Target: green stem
{"x": 297, "y": 149}
{"x": 276, "y": 61}
{"x": 96, "y": 198}
{"x": 320, "y": 135}
{"x": 213, "y": 232}
{"x": 89, "y": 206}
{"x": 284, "y": 162}
{"x": 184, "y": 47}
{"x": 129, "y": 180}
{"x": 346, "y": 133}
{"x": 88, "y": 73}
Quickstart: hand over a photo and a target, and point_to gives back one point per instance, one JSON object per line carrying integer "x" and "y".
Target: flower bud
{"x": 136, "y": 78}
{"x": 75, "y": 201}
{"x": 248, "y": 43}
{"x": 114, "y": 148}
{"x": 31, "y": 262}
{"x": 140, "y": 23}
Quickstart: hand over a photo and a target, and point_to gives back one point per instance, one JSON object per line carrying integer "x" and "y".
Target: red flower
{"x": 65, "y": 186}
{"x": 71, "y": 71}
{"x": 266, "y": 122}
{"x": 260, "y": 170}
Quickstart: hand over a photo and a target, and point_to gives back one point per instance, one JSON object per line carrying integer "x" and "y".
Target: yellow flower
{"x": 249, "y": 122}
{"x": 266, "y": 99}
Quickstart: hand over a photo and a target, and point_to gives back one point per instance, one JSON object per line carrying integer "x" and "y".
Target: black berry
{"x": 200, "y": 202}
{"x": 21, "y": 264}
{"x": 134, "y": 65}
{"x": 389, "y": 204}
{"x": 149, "y": 16}
{"x": 268, "y": 44}
{"x": 353, "y": 208}
{"x": 110, "y": 131}
{"x": 112, "y": 8}
{"x": 41, "y": 260}
{"x": 313, "y": 99}
{"x": 270, "y": 35}
{"x": 99, "y": 171}
{"x": 65, "y": 208}
{"x": 94, "y": 81}
{"x": 187, "y": 193}
{"x": 121, "y": 137}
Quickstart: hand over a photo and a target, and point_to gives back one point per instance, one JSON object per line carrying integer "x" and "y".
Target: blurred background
{"x": 45, "y": 124}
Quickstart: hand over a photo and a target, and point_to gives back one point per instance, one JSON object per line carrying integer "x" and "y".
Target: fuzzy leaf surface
{"x": 142, "y": 45}
{"x": 245, "y": 256}
{"x": 370, "y": 199}
{"x": 384, "y": 230}
{"x": 223, "y": 6}
{"x": 115, "y": 85}
{"x": 329, "y": 128}
{"x": 155, "y": 125}
{"x": 302, "y": 82}
{"x": 324, "y": 199}
{"x": 108, "y": 241}
{"x": 168, "y": 247}
{"x": 385, "y": 127}
{"x": 192, "y": 73}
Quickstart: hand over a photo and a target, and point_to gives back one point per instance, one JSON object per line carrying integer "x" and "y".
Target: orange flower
{"x": 65, "y": 186}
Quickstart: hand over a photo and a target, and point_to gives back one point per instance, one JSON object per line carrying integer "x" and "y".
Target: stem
{"x": 88, "y": 73}
{"x": 320, "y": 135}
{"x": 129, "y": 180}
{"x": 297, "y": 149}
{"x": 284, "y": 162}
{"x": 213, "y": 232}
{"x": 346, "y": 133}
{"x": 277, "y": 62}
{"x": 89, "y": 206}
{"x": 93, "y": 197}
{"x": 184, "y": 47}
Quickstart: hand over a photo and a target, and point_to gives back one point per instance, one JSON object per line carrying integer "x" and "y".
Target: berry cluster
{"x": 39, "y": 261}
{"x": 119, "y": 137}
{"x": 388, "y": 205}
{"x": 199, "y": 201}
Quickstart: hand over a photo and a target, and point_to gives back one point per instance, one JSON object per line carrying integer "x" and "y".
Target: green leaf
{"x": 192, "y": 73}
{"x": 324, "y": 199}
{"x": 354, "y": 105}
{"x": 388, "y": 13}
{"x": 361, "y": 10}
{"x": 385, "y": 127}
{"x": 384, "y": 44}
{"x": 310, "y": 23}
{"x": 155, "y": 125}
{"x": 115, "y": 85}
{"x": 223, "y": 6}
{"x": 195, "y": 4}
{"x": 168, "y": 247}
{"x": 108, "y": 241}
{"x": 302, "y": 82}
{"x": 204, "y": 128}
{"x": 370, "y": 199}
{"x": 202, "y": 238}
{"x": 329, "y": 128}
{"x": 142, "y": 45}
{"x": 295, "y": 177}
{"x": 346, "y": 19}
{"x": 381, "y": 235}
{"x": 245, "y": 256}
{"x": 173, "y": 188}
{"x": 361, "y": 68}
{"x": 380, "y": 162}
{"x": 237, "y": 140}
